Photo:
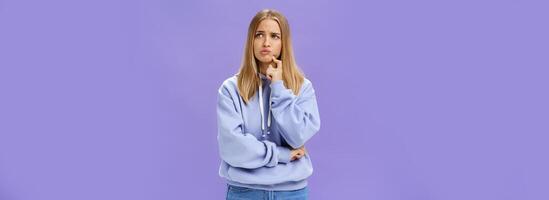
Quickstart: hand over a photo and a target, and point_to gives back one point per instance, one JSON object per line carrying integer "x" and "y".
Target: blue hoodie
{"x": 249, "y": 157}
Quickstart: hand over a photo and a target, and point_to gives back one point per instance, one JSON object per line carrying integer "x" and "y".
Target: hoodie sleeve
{"x": 297, "y": 116}
{"x": 241, "y": 149}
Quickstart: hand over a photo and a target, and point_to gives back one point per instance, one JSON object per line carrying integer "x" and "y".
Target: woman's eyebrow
{"x": 266, "y": 31}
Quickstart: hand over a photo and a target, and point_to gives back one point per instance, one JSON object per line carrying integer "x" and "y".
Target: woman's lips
{"x": 265, "y": 52}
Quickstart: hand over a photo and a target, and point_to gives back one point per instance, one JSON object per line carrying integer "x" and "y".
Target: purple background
{"x": 426, "y": 100}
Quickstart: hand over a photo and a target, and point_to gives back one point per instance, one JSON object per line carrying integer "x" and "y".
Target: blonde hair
{"x": 248, "y": 79}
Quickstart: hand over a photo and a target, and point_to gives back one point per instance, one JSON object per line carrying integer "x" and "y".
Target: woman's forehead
{"x": 268, "y": 25}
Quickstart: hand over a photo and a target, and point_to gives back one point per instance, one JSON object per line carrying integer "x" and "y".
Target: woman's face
{"x": 267, "y": 41}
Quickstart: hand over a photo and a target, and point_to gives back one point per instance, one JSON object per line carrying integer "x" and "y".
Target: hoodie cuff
{"x": 278, "y": 84}
{"x": 283, "y": 154}
{"x": 278, "y": 90}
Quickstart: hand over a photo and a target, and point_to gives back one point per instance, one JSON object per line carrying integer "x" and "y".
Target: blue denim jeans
{"x": 243, "y": 193}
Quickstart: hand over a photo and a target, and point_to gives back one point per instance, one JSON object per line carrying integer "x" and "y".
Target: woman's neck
{"x": 263, "y": 68}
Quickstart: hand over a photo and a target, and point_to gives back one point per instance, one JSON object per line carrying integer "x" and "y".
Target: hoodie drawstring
{"x": 264, "y": 130}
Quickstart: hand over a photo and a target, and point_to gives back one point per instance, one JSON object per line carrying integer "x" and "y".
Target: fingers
{"x": 303, "y": 148}
{"x": 278, "y": 62}
{"x": 270, "y": 72}
{"x": 298, "y": 153}
{"x": 296, "y": 157}
{"x": 274, "y": 59}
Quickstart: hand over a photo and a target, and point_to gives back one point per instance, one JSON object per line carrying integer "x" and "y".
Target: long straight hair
{"x": 248, "y": 79}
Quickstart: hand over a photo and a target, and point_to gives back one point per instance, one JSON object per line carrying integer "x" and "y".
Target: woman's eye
{"x": 258, "y": 35}
{"x": 276, "y": 37}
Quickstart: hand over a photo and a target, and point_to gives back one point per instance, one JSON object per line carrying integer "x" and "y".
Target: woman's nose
{"x": 266, "y": 42}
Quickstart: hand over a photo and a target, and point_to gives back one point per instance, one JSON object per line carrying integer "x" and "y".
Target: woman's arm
{"x": 297, "y": 116}
{"x": 241, "y": 149}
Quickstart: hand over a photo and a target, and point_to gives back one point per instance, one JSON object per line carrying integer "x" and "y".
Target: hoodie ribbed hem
{"x": 287, "y": 186}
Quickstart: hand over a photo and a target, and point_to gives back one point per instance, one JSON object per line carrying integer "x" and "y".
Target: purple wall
{"x": 420, "y": 100}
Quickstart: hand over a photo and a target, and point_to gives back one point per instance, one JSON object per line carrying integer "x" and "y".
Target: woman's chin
{"x": 265, "y": 60}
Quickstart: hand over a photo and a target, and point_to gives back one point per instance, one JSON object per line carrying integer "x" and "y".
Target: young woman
{"x": 265, "y": 115}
